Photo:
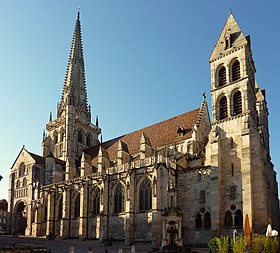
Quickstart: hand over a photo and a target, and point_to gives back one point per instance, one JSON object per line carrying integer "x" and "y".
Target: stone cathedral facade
{"x": 186, "y": 174}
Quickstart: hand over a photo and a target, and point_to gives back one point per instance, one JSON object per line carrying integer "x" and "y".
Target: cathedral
{"x": 185, "y": 179}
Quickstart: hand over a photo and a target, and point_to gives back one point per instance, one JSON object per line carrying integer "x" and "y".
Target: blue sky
{"x": 146, "y": 61}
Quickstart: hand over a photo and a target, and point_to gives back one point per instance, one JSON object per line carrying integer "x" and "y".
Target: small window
{"x": 62, "y": 135}
{"x": 17, "y": 184}
{"x": 89, "y": 142}
{"x": 21, "y": 170}
{"x": 238, "y": 220}
{"x": 228, "y": 219}
{"x": 223, "y": 108}
{"x": 207, "y": 220}
{"x": 235, "y": 71}
{"x": 24, "y": 182}
{"x": 237, "y": 103}
{"x": 222, "y": 76}
{"x": 198, "y": 221}
{"x": 55, "y": 137}
{"x": 80, "y": 137}
{"x": 232, "y": 169}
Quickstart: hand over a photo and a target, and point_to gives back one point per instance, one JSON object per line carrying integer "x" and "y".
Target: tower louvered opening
{"x": 223, "y": 108}
{"x": 237, "y": 103}
{"x": 222, "y": 76}
{"x": 235, "y": 71}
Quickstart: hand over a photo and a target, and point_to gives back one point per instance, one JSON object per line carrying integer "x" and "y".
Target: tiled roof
{"x": 159, "y": 134}
{"x": 39, "y": 159}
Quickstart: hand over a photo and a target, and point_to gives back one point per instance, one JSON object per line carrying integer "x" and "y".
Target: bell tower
{"x": 72, "y": 131}
{"x": 239, "y": 138}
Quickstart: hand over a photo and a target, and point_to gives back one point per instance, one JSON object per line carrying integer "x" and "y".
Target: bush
{"x": 271, "y": 245}
{"x": 258, "y": 242}
{"x": 223, "y": 244}
{"x": 240, "y": 244}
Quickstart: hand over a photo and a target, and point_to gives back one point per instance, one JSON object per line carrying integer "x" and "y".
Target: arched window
{"x": 17, "y": 184}
{"x": 62, "y": 132}
{"x": 238, "y": 219}
{"x": 55, "y": 137}
{"x": 89, "y": 140}
{"x": 77, "y": 206}
{"x": 228, "y": 219}
{"x": 60, "y": 208}
{"x": 96, "y": 202}
{"x": 233, "y": 192}
{"x": 202, "y": 197}
{"x": 235, "y": 71}
{"x": 222, "y": 76}
{"x": 237, "y": 103}
{"x": 118, "y": 199}
{"x": 21, "y": 170}
{"x": 24, "y": 182}
{"x": 198, "y": 221}
{"x": 80, "y": 136}
{"x": 145, "y": 195}
{"x": 207, "y": 220}
{"x": 223, "y": 108}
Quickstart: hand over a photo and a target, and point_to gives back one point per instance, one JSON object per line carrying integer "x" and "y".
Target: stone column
{"x": 65, "y": 213}
{"x": 50, "y": 216}
{"x": 37, "y": 223}
{"x": 83, "y": 211}
{"x": 28, "y": 214}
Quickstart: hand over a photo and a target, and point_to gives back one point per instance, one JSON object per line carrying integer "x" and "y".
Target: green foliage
{"x": 213, "y": 243}
{"x": 258, "y": 242}
{"x": 219, "y": 243}
{"x": 223, "y": 244}
{"x": 240, "y": 244}
{"x": 271, "y": 245}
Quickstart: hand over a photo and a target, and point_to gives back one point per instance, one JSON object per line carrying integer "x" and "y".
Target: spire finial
{"x": 97, "y": 121}
{"x": 230, "y": 11}
{"x": 78, "y": 18}
{"x": 44, "y": 135}
{"x": 50, "y": 116}
{"x": 204, "y": 96}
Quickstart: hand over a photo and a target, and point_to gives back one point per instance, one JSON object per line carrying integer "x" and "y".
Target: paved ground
{"x": 63, "y": 246}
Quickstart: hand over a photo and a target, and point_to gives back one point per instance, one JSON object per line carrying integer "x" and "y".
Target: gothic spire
{"x": 230, "y": 38}
{"x": 74, "y": 90}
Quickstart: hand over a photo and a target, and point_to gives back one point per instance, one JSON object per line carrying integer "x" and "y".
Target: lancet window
{"x": 119, "y": 199}
{"x": 145, "y": 195}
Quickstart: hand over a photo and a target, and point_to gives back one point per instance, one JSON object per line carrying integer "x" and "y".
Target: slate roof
{"x": 159, "y": 134}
